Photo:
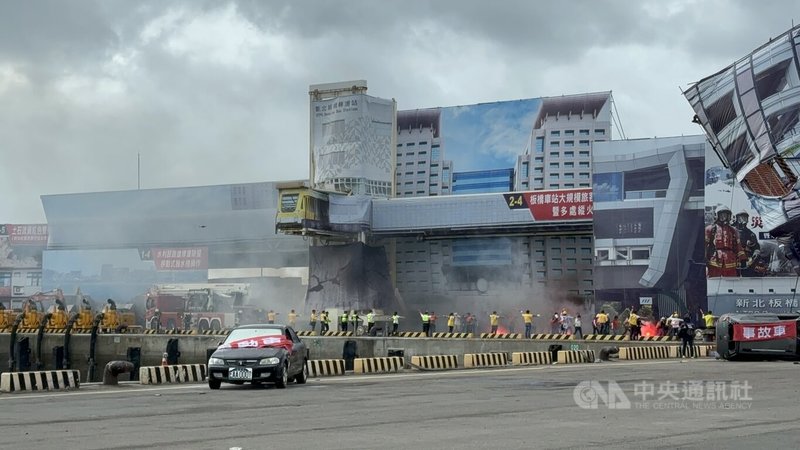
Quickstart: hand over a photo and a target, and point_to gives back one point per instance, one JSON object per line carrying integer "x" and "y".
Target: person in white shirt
{"x": 674, "y": 324}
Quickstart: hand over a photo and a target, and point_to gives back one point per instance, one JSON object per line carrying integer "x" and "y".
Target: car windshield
{"x": 244, "y": 333}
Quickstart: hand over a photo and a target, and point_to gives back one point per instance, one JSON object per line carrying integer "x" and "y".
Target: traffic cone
{"x": 164, "y": 360}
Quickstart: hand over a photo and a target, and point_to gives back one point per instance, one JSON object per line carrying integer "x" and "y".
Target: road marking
{"x": 359, "y": 378}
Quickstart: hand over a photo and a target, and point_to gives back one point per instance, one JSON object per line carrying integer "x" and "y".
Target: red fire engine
{"x": 197, "y": 306}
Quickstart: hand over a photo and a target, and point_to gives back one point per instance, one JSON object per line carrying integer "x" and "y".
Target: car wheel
{"x": 284, "y": 377}
{"x": 214, "y": 384}
{"x": 302, "y": 377}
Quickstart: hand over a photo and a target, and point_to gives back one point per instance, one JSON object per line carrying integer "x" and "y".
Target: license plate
{"x": 240, "y": 374}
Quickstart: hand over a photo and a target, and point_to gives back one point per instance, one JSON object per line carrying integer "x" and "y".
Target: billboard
{"x": 351, "y": 144}
{"x": 559, "y": 205}
{"x": 21, "y": 246}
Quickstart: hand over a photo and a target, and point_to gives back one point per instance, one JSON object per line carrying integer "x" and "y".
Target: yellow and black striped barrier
{"x": 452, "y": 335}
{"x": 501, "y": 335}
{"x": 531, "y": 358}
{"x": 485, "y": 359}
{"x": 378, "y": 365}
{"x": 439, "y": 362}
{"x": 306, "y": 333}
{"x": 178, "y": 373}
{"x": 605, "y": 337}
{"x": 410, "y": 334}
{"x": 48, "y": 380}
{"x": 700, "y": 350}
{"x": 657, "y": 338}
{"x": 575, "y": 356}
{"x": 338, "y": 333}
{"x": 657, "y": 352}
{"x": 553, "y": 337}
{"x": 325, "y": 367}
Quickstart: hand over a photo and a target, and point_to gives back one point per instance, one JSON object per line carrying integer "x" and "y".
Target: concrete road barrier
{"x": 501, "y": 335}
{"x": 49, "y": 380}
{"x": 306, "y": 333}
{"x": 378, "y": 365}
{"x": 410, "y": 334}
{"x": 338, "y": 333}
{"x": 657, "y": 352}
{"x": 178, "y": 373}
{"x": 605, "y": 337}
{"x": 325, "y": 367}
{"x": 531, "y": 358}
{"x": 657, "y": 338}
{"x": 553, "y": 337}
{"x": 700, "y": 350}
{"x": 435, "y": 361}
{"x": 485, "y": 359}
{"x": 575, "y": 356}
{"x": 452, "y": 335}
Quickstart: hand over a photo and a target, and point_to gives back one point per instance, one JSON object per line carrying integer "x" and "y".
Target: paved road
{"x": 500, "y": 408}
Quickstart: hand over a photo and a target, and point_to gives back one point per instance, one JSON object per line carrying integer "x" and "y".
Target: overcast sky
{"x": 215, "y": 92}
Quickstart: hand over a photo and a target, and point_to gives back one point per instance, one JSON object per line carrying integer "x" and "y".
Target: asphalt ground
{"x": 530, "y": 407}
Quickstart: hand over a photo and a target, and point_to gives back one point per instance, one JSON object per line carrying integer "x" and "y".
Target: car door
{"x": 298, "y": 352}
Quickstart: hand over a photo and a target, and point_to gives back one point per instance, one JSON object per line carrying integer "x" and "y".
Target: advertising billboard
{"x": 558, "y": 205}
{"x": 351, "y": 144}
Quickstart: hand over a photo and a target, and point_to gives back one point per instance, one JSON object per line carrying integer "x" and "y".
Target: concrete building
{"x": 559, "y": 155}
{"x": 422, "y": 169}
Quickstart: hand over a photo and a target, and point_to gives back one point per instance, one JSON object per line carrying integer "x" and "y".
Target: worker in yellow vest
{"x": 271, "y": 316}
{"x": 325, "y": 322}
{"x": 527, "y": 317}
{"x": 451, "y": 322}
{"x": 395, "y": 322}
{"x": 602, "y": 322}
{"x": 343, "y": 321}
{"x": 494, "y": 321}
{"x": 425, "y": 322}
{"x": 370, "y": 320}
{"x": 354, "y": 321}
{"x": 312, "y": 321}
{"x": 293, "y": 318}
{"x": 633, "y": 323}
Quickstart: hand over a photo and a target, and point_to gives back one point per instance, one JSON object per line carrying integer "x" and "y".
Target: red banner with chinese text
{"x": 764, "y": 331}
{"x": 35, "y": 234}
{"x": 261, "y": 342}
{"x": 564, "y": 204}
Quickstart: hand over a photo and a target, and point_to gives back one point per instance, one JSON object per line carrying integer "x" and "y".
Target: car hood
{"x": 247, "y": 353}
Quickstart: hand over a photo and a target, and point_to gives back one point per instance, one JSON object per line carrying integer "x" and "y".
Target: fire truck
{"x": 196, "y": 306}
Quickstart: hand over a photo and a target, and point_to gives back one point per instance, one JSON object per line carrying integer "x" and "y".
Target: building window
{"x": 554, "y": 186}
{"x": 409, "y": 153}
{"x": 569, "y": 132}
{"x": 640, "y": 253}
{"x": 584, "y": 132}
{"x": 569, "y": 176}
{"x": 583, "y": 143}
{"x": 554, "y": 143}
{"x": 525, "y": 170}
{"x": 602, "y": 254}
{"x": 569, "y": 165}
{"x": 399, "y": 145}
{"x": 539, "y": 180}
{"x": 423, "y": 143}
{"x": 539, "y": 159}
{"x": 422, "y": 152}
{"x": 600, "y": 132}
{"x": 583, "y": 153}
{"x": 569, "y": 143}
{"x": 410, "y": 144}
{"x": 569, "y": 154}
{"x": 569, "y": 185}
{"x": 584, "y": 175}
{"x": 524, "y": 184}
{"x": 435, "y": 152}
{"x": 555, "y": 154}
{"x": 555, "y": 133}
{"x": 540, "y": 145}
{"x": 583, "y": 164}
{"x": 538, "y": 170}
{"x": 554, "y": 165}
{"x": 584, "y": 185}
{"x": 5, "y": 279}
